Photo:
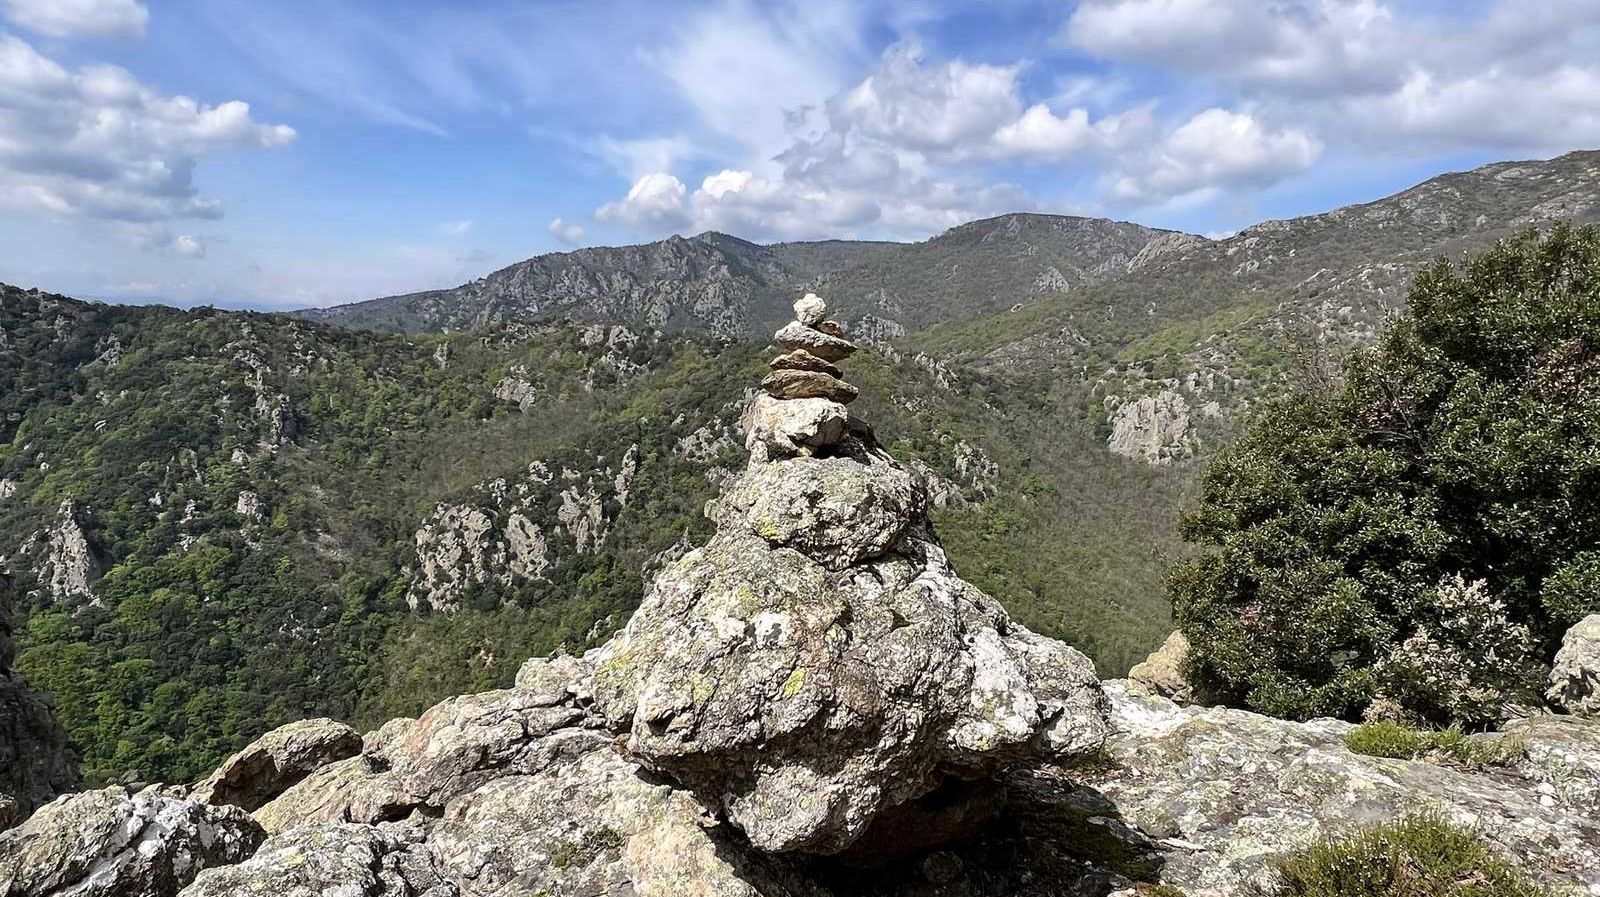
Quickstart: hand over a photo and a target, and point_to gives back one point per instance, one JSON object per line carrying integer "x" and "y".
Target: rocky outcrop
{"x": 1575, "y": 678}
{"x": 818, "y": 664}
{"x": 514, "y": 531}
{"x": 1152, "y": 429}
{"x": 273, "y": 763}
{"x": 36, "y": 763}
{"x": 1163, "y": 671}
{"x": 332, "y": 859}
{"x": 69, "y": 565}
{"x": 114, "y": 844}
{"x": 1217, "y": 794}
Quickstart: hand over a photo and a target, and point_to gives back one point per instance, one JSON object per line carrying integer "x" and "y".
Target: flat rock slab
{"x": 792, "y": 384}
{"x": 801, "y": 360}
{"x": 826, "y": 346}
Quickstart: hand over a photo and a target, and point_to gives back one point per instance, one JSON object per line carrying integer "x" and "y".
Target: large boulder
{"x": 1575, "y": 678}
{"x": 111, "y": 843}
{"x": 818, "y": 662}
{"x": 268, "y": 766}
{"x": 330, "y": 860}
{"x": 454, "y": 748}
{"x": 784, "y": 428}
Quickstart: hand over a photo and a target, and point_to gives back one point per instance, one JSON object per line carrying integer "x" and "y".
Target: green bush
{"x": 1419, "y": 531}
{"x": 1420, "y": 856}
{"x": 1401, "y": 742}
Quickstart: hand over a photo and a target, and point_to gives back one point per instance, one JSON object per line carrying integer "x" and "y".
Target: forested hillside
{"x": 221, "y": 521}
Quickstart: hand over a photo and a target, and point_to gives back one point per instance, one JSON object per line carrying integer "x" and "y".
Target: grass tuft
{"x": 1390, "y": 739}
{"x": 1419, "y": 856}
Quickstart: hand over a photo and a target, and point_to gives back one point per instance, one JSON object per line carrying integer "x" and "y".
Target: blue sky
{"x": 292, "y": 153}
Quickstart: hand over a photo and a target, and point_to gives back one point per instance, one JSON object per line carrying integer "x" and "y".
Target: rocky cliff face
{"x": 509, "y": 532}
{"x": 35, "y": 762}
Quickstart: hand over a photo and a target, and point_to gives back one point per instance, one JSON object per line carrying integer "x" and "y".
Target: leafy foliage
{"x": 1425, "y": 530}
{"x": 1420, "y": 856}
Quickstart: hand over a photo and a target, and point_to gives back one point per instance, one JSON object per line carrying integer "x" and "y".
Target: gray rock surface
{"x": 1575, "y": 677}
{"x": 332, "y": 860}
{"x": 1219, "y": 794}
{"x": 818, "y": 663}
{"x": 810, "y": 310}
{"x": 784, "y": 428}
{"x": 1162, "y": 671}
{"x": 277, "y": 760}
{"x": 117, "y": 844}
{"x": 1153, "y": 429}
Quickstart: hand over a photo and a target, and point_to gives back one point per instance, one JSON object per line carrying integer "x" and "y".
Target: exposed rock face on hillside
{"x": 494, "y": 538}
{"x": 1153, "y": 429}
{"x": 67, "y": 565}
{"x": 36, "y": 763}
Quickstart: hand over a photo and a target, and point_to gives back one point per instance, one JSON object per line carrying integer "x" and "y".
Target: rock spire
{"x": 818, "y": 667}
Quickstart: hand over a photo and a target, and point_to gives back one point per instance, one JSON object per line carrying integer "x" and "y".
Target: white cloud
{"x": 96, "y": 143}
{"x": 1517, "y": 76}
{"x": 79, "y": 18}
{"x": 1216, "y": 149}
{"x": 189, "y": 246}
{"x": 746, "y": 68}
{"x": 570, "y": 234}
{"x": 455, "y": 228}
{"x": 654, "y": 200}
{"x": 1310, "y": 46}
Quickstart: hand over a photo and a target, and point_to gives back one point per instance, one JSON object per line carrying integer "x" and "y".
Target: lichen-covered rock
{"x": 818, "y": 663}
{"x": 268, "y": 766}
{"x": 330, "y": 859}
{"x": 1575, "y": 677}
{"x": 1224, "y": 793}
{"x": 837, "y": 511}
{"x": 1163, "y": 671}
{"x": 117, "y": 844}
{"x": 454, "y": 748}
{"x": 593, "y": 825}
{"x": 784, "y": 428}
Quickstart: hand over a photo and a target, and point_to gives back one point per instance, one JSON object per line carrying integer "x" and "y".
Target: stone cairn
{"x": 803, "y": 410}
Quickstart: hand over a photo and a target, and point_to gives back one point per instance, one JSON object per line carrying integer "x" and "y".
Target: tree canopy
{"x": 1416, "y": 537}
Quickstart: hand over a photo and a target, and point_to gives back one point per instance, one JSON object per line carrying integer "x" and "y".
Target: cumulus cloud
{"x": 570, "y": 234}
{"x": 79, "y": 18}
{"x": 1216, "y": 149}
{"x": 655, "y": 200}
{"x": 1517, "y": 76}
{"x": 96, "y": 143}
{"x": 189, "y": 246}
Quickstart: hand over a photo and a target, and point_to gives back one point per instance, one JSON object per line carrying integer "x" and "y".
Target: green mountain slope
{"x": 223, "y": 521}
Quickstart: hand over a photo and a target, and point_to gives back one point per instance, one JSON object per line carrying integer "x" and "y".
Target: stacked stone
{"x": 803, "y": 408}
